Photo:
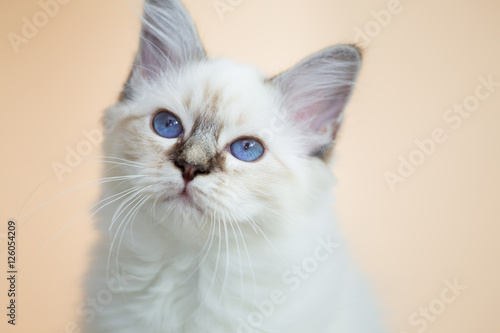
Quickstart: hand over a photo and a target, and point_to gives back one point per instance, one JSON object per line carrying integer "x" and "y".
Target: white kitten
{"x": 217, "y": 210}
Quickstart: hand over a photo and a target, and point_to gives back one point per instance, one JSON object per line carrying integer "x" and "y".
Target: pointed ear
{"x": 168, "y": 42}
{"x": 316, "y": 91}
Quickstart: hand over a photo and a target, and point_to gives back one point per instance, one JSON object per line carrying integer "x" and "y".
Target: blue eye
{"x": 167, "y": 125}
{"x": 247, "y": 149}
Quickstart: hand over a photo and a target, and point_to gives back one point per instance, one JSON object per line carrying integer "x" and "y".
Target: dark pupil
{"x": 247, "y": 145}
{"x": 170, "y": 122}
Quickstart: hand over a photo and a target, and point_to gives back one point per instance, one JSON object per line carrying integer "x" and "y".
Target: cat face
{"x": 210, "y": 139}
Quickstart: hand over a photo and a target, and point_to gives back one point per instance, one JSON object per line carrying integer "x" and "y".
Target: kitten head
{"x": 208, "y": 139}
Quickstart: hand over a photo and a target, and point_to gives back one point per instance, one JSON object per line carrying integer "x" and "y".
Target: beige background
{"x": 441, "y": 223}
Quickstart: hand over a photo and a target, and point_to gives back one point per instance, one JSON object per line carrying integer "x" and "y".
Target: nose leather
{"x": 190, "y": 171}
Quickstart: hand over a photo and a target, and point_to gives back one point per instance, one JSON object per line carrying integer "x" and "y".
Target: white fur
{"x": 201, "y": 265}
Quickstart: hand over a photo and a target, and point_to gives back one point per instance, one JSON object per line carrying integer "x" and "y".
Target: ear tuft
{"x": 316, "y": 91}
{"x": 168, "y": 42}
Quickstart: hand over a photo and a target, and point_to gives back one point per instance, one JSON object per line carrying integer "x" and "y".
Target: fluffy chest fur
{"x": 238, "y": 283}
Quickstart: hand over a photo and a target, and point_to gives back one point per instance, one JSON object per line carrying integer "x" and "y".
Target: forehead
{"x": 231, "y": 100}
{"x": 224, "y": 92}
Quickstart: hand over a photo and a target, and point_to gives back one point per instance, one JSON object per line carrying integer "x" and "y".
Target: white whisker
{"x": 92, "y": 182}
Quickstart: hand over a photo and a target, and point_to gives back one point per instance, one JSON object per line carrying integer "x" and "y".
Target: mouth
{"x": 187, "y": 191}
{"x": 186, "y": 196}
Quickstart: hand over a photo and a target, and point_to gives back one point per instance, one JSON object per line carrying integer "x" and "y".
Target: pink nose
{"x": 189, "y": 171}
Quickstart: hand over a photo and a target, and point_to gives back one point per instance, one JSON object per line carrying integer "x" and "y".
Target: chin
{"x": 182, "y": 215}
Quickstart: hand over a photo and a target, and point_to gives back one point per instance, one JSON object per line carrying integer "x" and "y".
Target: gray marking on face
{"x": 200, "y": 147}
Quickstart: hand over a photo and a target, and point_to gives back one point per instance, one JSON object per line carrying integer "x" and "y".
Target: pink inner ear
{"x": 321, "y": 114}
{"x": 168, "y": 39}
{"x": 317, "y": 89}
